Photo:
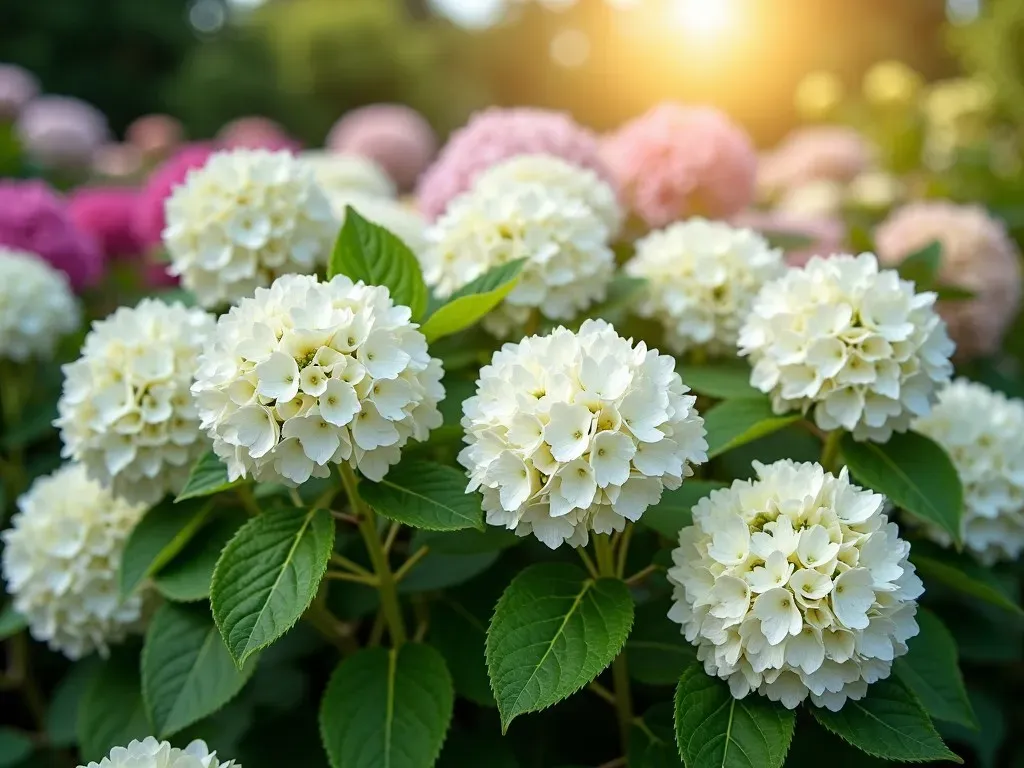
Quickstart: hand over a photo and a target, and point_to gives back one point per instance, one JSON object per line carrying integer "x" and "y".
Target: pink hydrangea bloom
{"x": 817, "y": 153}
{"x": 149, "y": 211}
{"x": 155, "y": 135}
{"x": 827, "y": 234}
{"x": 117, "y": 161}
{"x": 108, "y": 214}
{"x": 496, "y": 134}
{"x": 394, "y": 136}
{"x": 256, "y": 132}
{"x": 62, "y": 132}
{"x": 677, "y": 161}
{"x": 35, "y": 219}
{"x": 17, "y": 88}
{"x": 977, "y": 255}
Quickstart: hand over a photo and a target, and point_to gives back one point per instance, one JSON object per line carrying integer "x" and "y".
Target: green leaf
{"x": 160, "y": 535}
{"x": 460, "y": 636}
{"x": 888, "y": 723}
{"x": 207, "y": 477}
{"x": 725, "y": 381}
{"x": 672, "y": 513}
{"x": 268, "y": 575}
{"x": 987, "y": 739}
{"x": 438, "y": 570}
{"x": 654, "y": 744}
{"x": 111, "y": 713}
{"x": 622, "y": 289}
{"x": 423, "y": 494}
{"x": 15, "y": 746}
{"x": 914, "y": 473}
{"x": 656, "y": 650}
{"x": 922, "y": 267}
{"x": 553, "y": 631}
{"x": 963, "y": 575}
{"x": 387, "y": 708}
{"x": 367, "y": 252}
{"x": 11, "y": 622}
{"x": 187, "y": 672}
{"x": 930, "y": 669}
{"x": 62, "y": 714}
{"x": 187, "y": 577}
{"x": 954, "y": 293}
{"x": 787, "y": 241}
{"x": 468, "y": 541}
{"x": 474, "y": 300}
{"x": 733, "y": 423}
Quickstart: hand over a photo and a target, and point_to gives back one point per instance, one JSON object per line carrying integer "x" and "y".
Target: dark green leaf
{"x": 988, "y": 738}
{"x": 787, "y": 241}
{"x": 954, "y": 293}
{"x": 656, "y": 650}
{"x": 653, "y": 744}
{"x": 160, "y": 535}
{"x": 734, "y": 422}
{"x": 11, "y": 622}
{"x": 962, "y": 574}
{"x": 725, "y": 381}
{"x": 672, "y": 513}
{"x": 467, "y": 542}
{"x": 111, "y": 713}
{"x": 422, "y": 494}
{"x": 460, "y": 636}
{"x": 187, "y": 577}
{"x": 437, "y": 570}
{"x": 62, "y": 715}
{"x": 922, "y": 267}
{"x": 15, "y": 746}
{"x": 207, "y": 477}
{"x": 474, "y": 300}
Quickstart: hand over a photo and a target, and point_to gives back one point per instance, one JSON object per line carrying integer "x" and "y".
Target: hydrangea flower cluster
{"x": 564, "y": 240}
{"x": 18, "y": 87}
{"x": 981, "y": 431}
{"x": 61, "y": 559}
{"x": 855, "y": 345}
{"x": 256, "y": 132}
{"x": 304, "y": 375}
{"x": 150, "y": 753}
{"x": 125, "y": 410}
{"x": 36, "y": 307}
{"x": 61, "y": 131}
{"x": 815, "y": 153}
{"x": 826, "y": 234}
{"x": 155, "y": 135}
{"x": 245, "y": 218}
{"x": 702, "y": 278}
{"x": 150, "y": 216}
{"x": 341, "y": 176}
{"x": 107, "y": 214}
{"x": 793, "y": 584}
{"x": 576, "y": 432}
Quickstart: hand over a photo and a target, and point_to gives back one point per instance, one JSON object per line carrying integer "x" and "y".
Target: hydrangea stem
{"x": 606, "y": 568}
{"x": 830, "y": 451}
{"x": 11, "y": 405}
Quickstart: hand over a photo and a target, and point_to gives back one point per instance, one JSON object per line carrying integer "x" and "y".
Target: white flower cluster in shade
{"x": 61, "y": 559}
{"x": 576, "y": 432}
{"x": 126, "y": 412}
{"x": 242, "y": 220}
{"x": 793, "y": 584}
{"x": 702, "y": 277}
{"x": 37, "y": 307}
{"x": 306, "y": 374}
{"x": 855, "y": 345}
{"x": 150, "y": 753}
{"x": 564, "y": 240}
{"x": 983, "y": 433}
{"x": 341, "y": 175}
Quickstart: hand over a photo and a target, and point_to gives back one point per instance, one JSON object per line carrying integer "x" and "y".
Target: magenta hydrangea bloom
{"x": 61, "y": 131}
{"x": 394, "y": 136}
{"x": 677, "y": 161}
{"x": 108, "y": 214}
{"x": 149, "y": 210}
{"x": 256, "y": 132}
{"x": 35, "y": 219}
{"x": 496, "y": 134}
{"x": 18, "y": 87}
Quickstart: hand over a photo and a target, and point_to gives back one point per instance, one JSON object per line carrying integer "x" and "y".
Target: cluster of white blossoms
{"x": 242, "y": 220}
{"x": 306, "y": 374}
{"x": 126, "y": 412}
{"x": 553, "y": 225}
{"x": 793, "y": 584}
{"x": 854, "y": 344}
{"x": 701, "y": 280}
{"x": 982, "y": 431}
{"x": 61, "y": 559}
{"x": 576, "y": 432}
{"x": 150, "y": 753}
{"x": 37, "y": 306}
{"x": 342, "y": 175}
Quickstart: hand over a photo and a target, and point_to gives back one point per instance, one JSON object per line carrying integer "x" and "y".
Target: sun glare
{"x": 706, "y": 18}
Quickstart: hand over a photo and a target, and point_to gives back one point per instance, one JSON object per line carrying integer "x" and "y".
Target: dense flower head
{"x": 126, "y": 412}
{"x": 394, "y": 136}
{"x": 677, "y": 161}
{"x": 34, "y": 218}
{"x": 795, "y": 583}
{"x": 816, "y": 153}
{"x": 150, "y": 753}
{"x": 256, "y": 132}
{"x": 61, "y": 131}
{"x": 397, "y": 217}
{"x": 569, "y": 262}
{"x": 701, "y": 279}
{"x": 498, "y": 134}
{"x": 155, "y": 135}
{"x": 108, "y": 214}
{"x": 577, "y": 432}
{"x": 18, "y": 87}
{"x": 150, "y": 217}
{"x": 824, "y": 234}
{"x": 981, "y": 431}
{"x": 855, "y": 345}
{"x": 242, "y": 220}
{"x": 305, "y": 375}
{"x": 341, "y": 176}
{"x": 37, "y": 307}
{"x": 977, "y": 254}
{"x": 61, "y": 559}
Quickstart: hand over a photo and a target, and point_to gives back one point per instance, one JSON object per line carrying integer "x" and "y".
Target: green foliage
{"x": 425, "y": 495}
{"x": 186, "y": 578}
{"x": 656, "y": 649}
{"x": 472, "y": 301}
{"x": 15, "y": 746}
{"x": 962, "y": 574}
{"x": 725, "y": 381}
{"x": 652, "y": 743}
{"x": 922, "y": 266}
{"x": 208, "y": 476}
{"x": 672, "y": 513}
{"x": 11, "y": 622}
{"x": 733, "y": 423}
{"x": 160, "y": 535}
{"x": 111, "y": 712}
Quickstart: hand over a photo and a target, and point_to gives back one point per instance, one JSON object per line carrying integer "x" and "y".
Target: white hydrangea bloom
{"x": 305, "y": 374}
{"x": 150, "y": 753}
{"x": 854, "y": 344}
{"x": 126, "y": 411}
{"x": 981, "y": 431}
{"x": 793, "y": 584}
{"x": 61, "y": 559}
{"x": 564, "y": 241}
{"x": 576, "y": 432}
{"x": 702, "y": 277}
{"x": 37, "y": 306}
{"x": 341, "y": 175}
{"x": 242, "y": 220}
{"x": 394, "y": 216}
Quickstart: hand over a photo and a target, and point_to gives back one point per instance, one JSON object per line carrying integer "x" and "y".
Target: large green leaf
{"x": 474, "y": 300}
{"x": 652, "y": 743}
{"x": 268, "y": 575}
{"x": 460, "y": 635}
{"x": 672, "y": 513}
{"x": 960, "y": 573}
{"x": 187, "y": 577}
{"x": 426, "y": 495}
{"x": 160, "y": 535}
{"x": 715, "y": 730}
{"x": 207, "y": 477}
{"x": 930, "y": 669}
{"x": 15, "y": 746}
{"x": 922, "y": 266}
{"x": 656, "y": 650}
{"x": 111, "y": 713}
{"x": 553, "y": 631}
{"x": 914, "y": 473}
{"x": 888, "y": 723}
{"x": 62, "y": 714}
{"x": 733, "y": 423}
{"x": 387, "y": 708}
{"x": 726, "y": 381}
{"x": 367, "y": 252}
{"x": 11, "y": 622}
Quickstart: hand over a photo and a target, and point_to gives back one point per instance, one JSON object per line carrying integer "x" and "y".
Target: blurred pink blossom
{"x": 62, "y": 132}
{"x": 816, "y": 153}
{"x": 827, "y": 234}
{"x": 108, "y": 214}
{"x": 255, "y": 132}
{"x": 155, "y": 136}
{"x": 149, "y": 211}
{"x": 117, "y": 161}
{"x": 394, "y": 136}
{"x": 18, "y": 87}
